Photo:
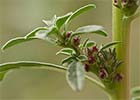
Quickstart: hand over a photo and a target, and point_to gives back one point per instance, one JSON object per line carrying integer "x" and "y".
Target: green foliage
{"x": 80, "y": 11}
{"x": 75, "y": 75}
{"x": 135, "y": 93}
{"x": 90, "y": 29}
{"x": 66, "y": 51}
{"x": 2, "y": 74}
{"x": 90, "y": 44}
{"x": 109, "y": 45}
{"x": 81, "y": 57}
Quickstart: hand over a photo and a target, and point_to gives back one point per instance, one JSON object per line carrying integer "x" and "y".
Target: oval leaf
{"x": 15, "y": 41}
{"x": 61, "y": 20}
{"x": 135, "y": 91}
{"x": 67, "y": 60}
{"x": 75, "y": 75}
{"x": 66, "y": 51}
{"x": 33, "y": 33}
{"x": 90, "y": 29}
{"x": 90, "y": 44}
{"x": 2, "y": 74}
{"x": 80, "y": 11}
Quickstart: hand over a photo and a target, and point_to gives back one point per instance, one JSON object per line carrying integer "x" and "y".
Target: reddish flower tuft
{"x": 91, "y": 59}
{"x": 94, "y": 49}
{"x": 118, "y": 77}
{"x": 102, "y": 73}
{"x": 68, "y": 34}
{"x": 76, "y": 41}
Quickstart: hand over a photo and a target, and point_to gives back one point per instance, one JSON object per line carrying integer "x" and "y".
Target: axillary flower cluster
{"x": 99, "y": 60}
{"x": 128, "y": 7}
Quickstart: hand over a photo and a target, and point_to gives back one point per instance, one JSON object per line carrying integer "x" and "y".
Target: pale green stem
{"x": 42, "y": 65}
{"x": 121, "y": 32}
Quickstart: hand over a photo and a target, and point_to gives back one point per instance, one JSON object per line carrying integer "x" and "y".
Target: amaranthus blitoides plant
{"x": 82, "y": 56}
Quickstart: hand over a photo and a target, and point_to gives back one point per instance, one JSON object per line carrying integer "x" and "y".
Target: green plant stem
{"x": 41, "y": 65}
{"x": 121, "y": 32}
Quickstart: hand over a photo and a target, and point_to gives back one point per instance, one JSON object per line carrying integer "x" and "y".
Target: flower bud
{"x": 116, "y": 2}
{"x": 102, "y": 73}
{"x": 76, "y": 41}
{"x": 91, "y": 60}
{"x": 94, "y": 49}
{"x": 89, "y": 52}
{"x": 68, "y": 34}
{"x": 86, "y": 66}
{"x": 118, "y": 77}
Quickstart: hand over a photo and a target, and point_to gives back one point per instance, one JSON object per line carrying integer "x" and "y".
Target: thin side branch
{"x": 42, "y": 65}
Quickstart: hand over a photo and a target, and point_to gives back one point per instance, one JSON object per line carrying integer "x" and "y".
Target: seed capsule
{"x": 86, "y": 66}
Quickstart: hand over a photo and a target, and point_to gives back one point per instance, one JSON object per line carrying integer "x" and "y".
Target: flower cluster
{"x": 102, "y": 62}
{"x": 128, "y": 7}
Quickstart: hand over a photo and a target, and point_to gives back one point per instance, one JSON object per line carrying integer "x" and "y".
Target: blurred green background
{"x": 18, "y": 17}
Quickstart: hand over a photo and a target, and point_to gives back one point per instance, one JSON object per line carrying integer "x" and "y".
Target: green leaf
{"x": 109, "y": 45}
{"x": 2, "y": 74}
{"x": 135, "y": 90}
{"x": 82, "y": 58}
{"x": 50, "y": 23}
{"x": 68, "y": 60}
{"x": 90, "y": 29}
{"x": 15, "y": 41}
{"x": 36, "y": 31}
{"x": 136, "y": 98}
{"x": 85, "y": 42}
{"x": 80, "y": 11}
{"x": 66, "y": 51}
{"x": 5, "y": 67}
{"x": 39, "y": 33}
{"x": 61, "y": 20}
{"x": 90, "y": 44}
{"x": 75, "y": 75}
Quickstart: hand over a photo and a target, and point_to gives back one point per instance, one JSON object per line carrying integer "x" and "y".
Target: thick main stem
{"x": 121, "y": 32}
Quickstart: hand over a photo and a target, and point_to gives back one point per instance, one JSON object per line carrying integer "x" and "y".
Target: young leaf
{"x": 33, "y": 33}
{"x": 67, "y": 60}
{"x": 75, "y": 75}
{"x": 51, "y": 22}
{"x": 82, "y": 58}
{"x": 136, "y": 98}
{"x": 15, "y": 41}
{"x": 5, "y": 67}
{"x": 39, "y": 33}
{"x": 90, "y": 44}
{"x": 66, "y": 51}
{"x": 90, "y": 29}
{"x": 135, "y": 91}
{"x": 2, "y": 74}
{"x": 61, "y": 20}
{"x": 80, "y": 11}
{"x": 109, "y": 45}
{"x": 85, "y": 42}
